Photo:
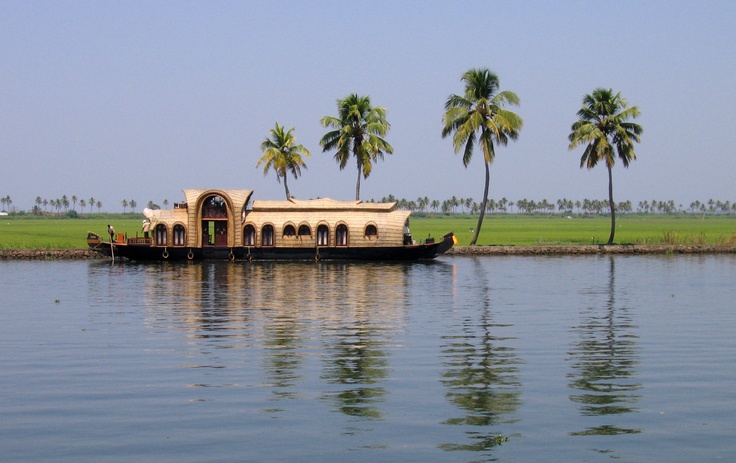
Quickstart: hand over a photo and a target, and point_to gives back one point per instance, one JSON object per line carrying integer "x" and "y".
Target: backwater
{"x": 462, "y": 359}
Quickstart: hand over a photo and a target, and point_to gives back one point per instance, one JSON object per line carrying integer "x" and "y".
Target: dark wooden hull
{"x": 143, "y": 252}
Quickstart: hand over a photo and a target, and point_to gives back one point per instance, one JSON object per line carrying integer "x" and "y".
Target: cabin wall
{"x": 390, "y": 226}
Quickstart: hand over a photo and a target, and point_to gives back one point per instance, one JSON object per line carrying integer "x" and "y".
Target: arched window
{"x": 323, "y": 235}
{"x": 249, "y": 235}
{"x": 341, "y": 235}
{"x": 214, "y": 207}
{"x": 179, "y": 235}
{"x": 304, "y": 230}
{"x": 371, "y": 231}
{"x": 267, "y": 235}
{"x": 161, "y": 235}
{"x": 289, "y": 230}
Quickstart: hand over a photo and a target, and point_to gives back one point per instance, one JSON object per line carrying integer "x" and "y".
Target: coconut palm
{"x": 604, "y": 129}
{"x": 359, "y": 129}
{"x": 479, "y": 116}
{"x": 283, "y": 155}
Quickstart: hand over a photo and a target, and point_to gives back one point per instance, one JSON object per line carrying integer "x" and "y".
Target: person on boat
{"x": 146, "y": 228}
{"x": 111, "y": 231}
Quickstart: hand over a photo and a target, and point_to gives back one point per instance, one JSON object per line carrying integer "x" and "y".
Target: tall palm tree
{"x": 359, "y": 129}
{"x": 603, "y": 127}
{"x": 479, "y": 116}
{"x": 283, "y": 155}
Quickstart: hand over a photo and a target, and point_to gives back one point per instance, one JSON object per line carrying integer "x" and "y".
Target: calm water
{"x": 514, "y": 359}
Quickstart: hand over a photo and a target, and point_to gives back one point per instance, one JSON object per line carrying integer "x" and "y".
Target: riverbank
{"x": 552, "y": 250}
{"x": 590, "y": 249}
{"x": 47, "y": 254}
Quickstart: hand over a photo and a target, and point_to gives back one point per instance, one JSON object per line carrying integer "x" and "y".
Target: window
{"x": 179, "y": 235}
{"x": 304, "y": 230}
{"x": 267, "y": 235}
{"x": 323, "y": 235}
{"x": 371, "y": 231}
{"x": 160, "y": 235}
{"x": 249, "y": 236}
{"x": 214, "y": 207}
{"x": 289, "y": 230}
{"x": 341, "y": 235}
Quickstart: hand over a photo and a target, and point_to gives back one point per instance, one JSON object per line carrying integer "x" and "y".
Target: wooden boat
{"x": 219, "y": 224}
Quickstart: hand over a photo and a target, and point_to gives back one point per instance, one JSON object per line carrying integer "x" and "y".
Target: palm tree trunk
{"x": 357, "y": 185}
{"x": 482, "y": 205}
{"x": 286, "y": 187}
{"x": 611, "y": 205}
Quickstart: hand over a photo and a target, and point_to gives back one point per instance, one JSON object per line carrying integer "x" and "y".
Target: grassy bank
{"x": 524, "y": 230}
{"x": 506, "y": 229}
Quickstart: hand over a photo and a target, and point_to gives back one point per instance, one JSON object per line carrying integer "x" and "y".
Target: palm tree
{"x": 283, "y": 155}
{"x": 124, "y": 203}
{"x": 481, "y": 109}
{"x": 359, "y": 129}
{"x": 603, "y": 127}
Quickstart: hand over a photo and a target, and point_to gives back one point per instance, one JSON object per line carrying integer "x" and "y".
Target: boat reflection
{"x": 603, "y": 362}
{"x": 283, "y": 311}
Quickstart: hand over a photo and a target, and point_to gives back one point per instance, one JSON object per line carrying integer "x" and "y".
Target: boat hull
{"x": 136, "y": 252}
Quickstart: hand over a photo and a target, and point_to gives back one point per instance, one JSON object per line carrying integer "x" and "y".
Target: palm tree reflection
{"x": 359, "y": 366}
{"x": 481, "y": 375}
{"x": 362, "y": 322}
{"x": 603, "y": 364}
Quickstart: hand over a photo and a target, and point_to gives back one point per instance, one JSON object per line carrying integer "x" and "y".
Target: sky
{"x": 141, "y": 99}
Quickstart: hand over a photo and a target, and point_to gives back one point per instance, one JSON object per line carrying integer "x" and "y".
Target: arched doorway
{"x": 214, "y": 221}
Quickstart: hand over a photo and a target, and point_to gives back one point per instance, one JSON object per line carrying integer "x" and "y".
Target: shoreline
{"x": 591, "y": 249}
{"x": 494, "y": 250}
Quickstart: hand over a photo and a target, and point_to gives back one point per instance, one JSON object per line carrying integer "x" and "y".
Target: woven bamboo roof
{"x": 238, "y": 197}
{"x": 322, "y": 204}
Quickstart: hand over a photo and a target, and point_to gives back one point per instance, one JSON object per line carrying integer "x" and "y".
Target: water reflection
{"x": 481, "y": 374}
{"x": 281, "y": 313}
{"x": 367, "y": 310}
{"x": 603, "y": 362}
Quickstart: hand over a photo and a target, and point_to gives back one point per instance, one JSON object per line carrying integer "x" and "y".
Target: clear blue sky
{"x": 138, "y": 100}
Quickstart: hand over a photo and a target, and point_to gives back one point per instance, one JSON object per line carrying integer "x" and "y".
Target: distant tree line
{"x": 566, "y": 206}
{"x": 68, "y": 206}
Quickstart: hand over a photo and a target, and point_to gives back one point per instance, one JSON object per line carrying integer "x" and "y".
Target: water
{"x": 511, "y": 359}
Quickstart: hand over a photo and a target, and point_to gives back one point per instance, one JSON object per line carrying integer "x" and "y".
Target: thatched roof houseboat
{"x": 219, "y": 224}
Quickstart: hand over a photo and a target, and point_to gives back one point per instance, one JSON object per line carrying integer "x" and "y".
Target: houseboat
{"x": 225, "y": 225}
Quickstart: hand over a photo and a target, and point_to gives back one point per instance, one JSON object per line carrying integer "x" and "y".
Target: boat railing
{"x": 140, "y": 241}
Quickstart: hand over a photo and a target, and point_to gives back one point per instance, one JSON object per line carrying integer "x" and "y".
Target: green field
{"x": 502, "y": 229}
{"x": 525, "y": 230}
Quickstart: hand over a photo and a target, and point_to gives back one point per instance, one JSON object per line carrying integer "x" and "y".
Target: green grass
{"x": 525, "y": 230}
{"x": 62, "y": 233}
{"x": 498, "y": 229}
